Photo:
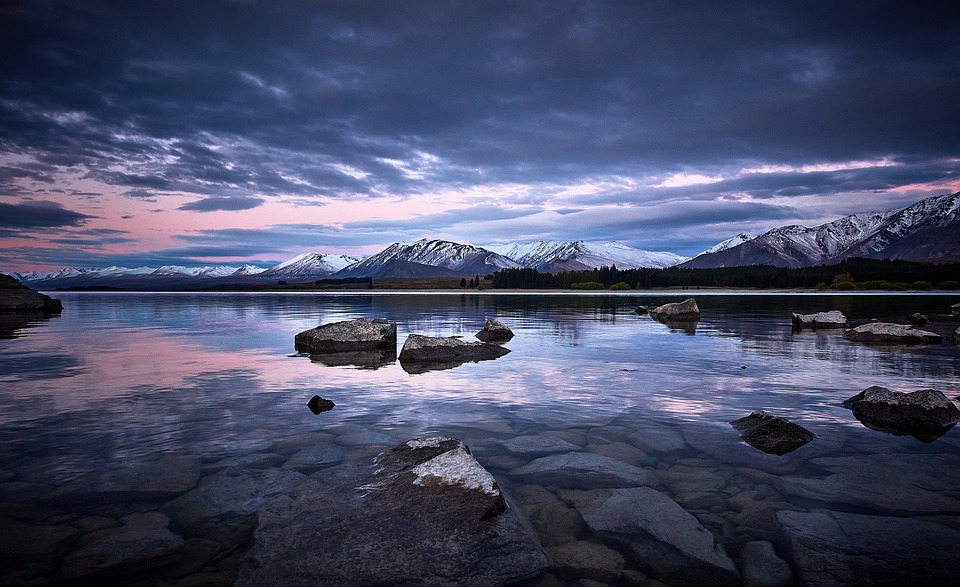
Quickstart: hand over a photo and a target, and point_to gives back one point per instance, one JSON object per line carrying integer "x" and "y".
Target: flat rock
{"x": 888, "y": 333}
{"x": 772, "y": 434}
{"x": 224, "y": 506}
{"x": 925, "y": 414}
{"x": 362, "y": 334}
{"x": 662, "y": 537}
{"x": 16, "y": 297}
{"x": 144, "y": 542}
{"x": 835, "y": 548}
{"x": 426, "y": 353}
{"x": 583, "y": 469}
{"x": 495, "y": 331}
{"x": 423, "y": 513}
{"x": 762, "y": 567}
{"x": 538, "y": 444}
{"x": 587, "y": 560}
{"x": 162, "y": 478}
{"x": 831, "y": 319}
{"x": 315, "y": 457}
{"x": 686, "y": 309}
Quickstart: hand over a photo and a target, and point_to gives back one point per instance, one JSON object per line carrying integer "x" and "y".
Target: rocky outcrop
{"x": 661, "y": 537}
{"x": 16, "y": 297}
{"x": 495, "y": 331}
{"x": 362, "y": 334}
{"x": 426, "y": 353}
{"x": 831, "y": 319}
{"x": 889, "y": 333}
{"x": 422, "y": 513}
{"x": 685, "y": 310}
{"x": 925, "y": 414}
{"x": 836, "y": 548}
{"x": 772, "y": 434}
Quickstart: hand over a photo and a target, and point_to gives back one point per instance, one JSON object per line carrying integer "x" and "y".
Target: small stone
{"x": 642, "y": 310}
{"x": 686, "y": 309}
{"x": 317, "y": 404}
{"x": 917, "y": 318}
{"x": 495, "y": 331}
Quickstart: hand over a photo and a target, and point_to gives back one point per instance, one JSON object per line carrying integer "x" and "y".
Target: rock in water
{"x": 641, "y": 310}
{"x": 423, "y": 513}
{"x": 494, "y": 331}
{"x": 16, "y": 297}
{"x": 925, "y": 414}
{"x": 663, "y": 538}
{"x": 685, "y": 310}
{"x": 836, "y": 548}
{"x": 888, "y": 333}
{"x": 362, "y": 334}
{"x": 317, "y": 404}
{"x": 917, "y": 318}
{"x": 831, "y": 319}
{"x": 772, "y": 434}
{"x": 424, "y": 353}
{"x": 144, "y": 542}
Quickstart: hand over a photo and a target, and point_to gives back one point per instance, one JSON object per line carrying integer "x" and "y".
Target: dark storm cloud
{"x": 222, "y": 204}
{"x": 240, "y": 97}
{"x": 34, "y": 215}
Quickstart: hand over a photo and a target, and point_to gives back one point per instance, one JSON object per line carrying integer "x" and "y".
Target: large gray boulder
{"x": 495, "y": 331}
{"x": 836, "y": 548}
{"x": 16, "y": 297}
{"x": 362, "y": 334}
{"x": 889, "y": 333}
{"x": 662, "y": 537}
{"x": 685, "y": 310}
{"x": 925, "y": 414}
{"x": 831, "y": 319}
{"x": 424, "y": 353}
{"x": 422, "y": 513}
{"x": 772, "y": 434}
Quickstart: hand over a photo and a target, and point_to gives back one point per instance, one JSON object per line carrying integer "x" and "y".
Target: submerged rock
{"x": 16, "y": 297}
{"x": 925, "y": 414}
{"x": 763, "y": 568}
{"x": 583, "y": 469}
{"x": 661, "y": 536}
{"x": 889, "y": 333}
{"x": 685, "y": 310}
{"x": 831, "y": 319}
{"x": 162, "y": 478}
{"x": 425, "y": 353}
{"x": 362, "y": 334}
{"x": 772, "y": 434}
{"x": 423, "y": 513}
{"x": 318, "y": 404}
{"x": 836, "y": 548}
{"x": 494, "y": 331}
{"x": 144, "y": 542}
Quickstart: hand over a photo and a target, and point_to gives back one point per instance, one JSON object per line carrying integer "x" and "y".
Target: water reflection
{"x": 371, "y": 360}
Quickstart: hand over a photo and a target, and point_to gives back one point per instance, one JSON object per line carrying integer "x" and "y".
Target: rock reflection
{"x": 369, "y": 360}
{"x": 685, "y": 325}
{"x": 13, "y": 323}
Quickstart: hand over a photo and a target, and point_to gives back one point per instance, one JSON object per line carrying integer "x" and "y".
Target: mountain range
{"x": 926, "y": 231}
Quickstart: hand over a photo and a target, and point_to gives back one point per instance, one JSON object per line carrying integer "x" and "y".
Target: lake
{"x": 131, "y": 378}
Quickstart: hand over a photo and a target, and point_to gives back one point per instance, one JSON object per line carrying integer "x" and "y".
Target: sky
{"x": 231, "y": 131}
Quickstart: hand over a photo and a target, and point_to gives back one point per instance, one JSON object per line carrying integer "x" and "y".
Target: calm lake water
{"x": 127, "y": 377}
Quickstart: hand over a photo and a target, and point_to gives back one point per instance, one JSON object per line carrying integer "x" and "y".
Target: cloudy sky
{"x": 220, "y": 132}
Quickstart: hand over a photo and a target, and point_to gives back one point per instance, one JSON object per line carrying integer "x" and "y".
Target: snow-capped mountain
{"x": 307, "y": 265}
{"x": 248, "y": 270}
{"x": 451, "y": 258}
{"x": 545, "y": 255}
{"x": 727, "y": 244}
{"x": 926, "y": 231}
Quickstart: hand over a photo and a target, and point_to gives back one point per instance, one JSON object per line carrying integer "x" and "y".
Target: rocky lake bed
{"x": 624, "y": 471}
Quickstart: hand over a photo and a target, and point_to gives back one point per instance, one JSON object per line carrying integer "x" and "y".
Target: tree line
{"x": 850, "y": 274}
